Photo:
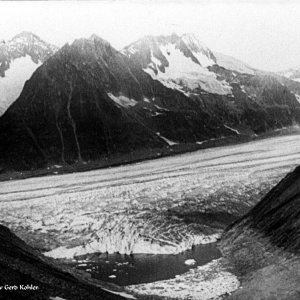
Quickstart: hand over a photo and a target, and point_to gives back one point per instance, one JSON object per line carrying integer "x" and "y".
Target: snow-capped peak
{"x": 26, "y": 41}
{"x": 179, "y": 62}
{"x": 192, "y": 42}
{"x": 19, "y": 58}
{"x": 200, "y": 51}
{"x": 25, "y": 36}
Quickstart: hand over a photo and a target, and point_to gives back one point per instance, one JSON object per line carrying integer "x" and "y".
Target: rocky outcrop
{"x": 25, "y": 274}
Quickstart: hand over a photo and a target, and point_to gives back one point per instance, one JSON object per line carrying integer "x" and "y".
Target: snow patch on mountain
{"x": 122, "y": 100}
{"x": 182, "y": 73}
{"x": 199, "y": 50}
{"x": 169, "y": 142}
{"x": 297, "y": 97}
{"x": 129, "y": 50}
{"x": 12, "y": 83}
{"x": 232, "y": 129}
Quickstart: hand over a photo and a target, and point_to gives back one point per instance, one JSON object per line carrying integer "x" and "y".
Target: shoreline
{"x": 210, "y": 281}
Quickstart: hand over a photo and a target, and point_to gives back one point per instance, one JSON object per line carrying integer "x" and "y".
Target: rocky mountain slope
{"x": 19, "y": 58}
{"x": 25, "y": 274}
{"x": 179, "y": 62}
{"x": 264, "y": 246}
{"x": 237, "y": 93}
{"x": 89, "y": 100}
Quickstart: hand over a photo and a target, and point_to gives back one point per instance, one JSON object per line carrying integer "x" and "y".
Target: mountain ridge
{"x": 89, "y": 100}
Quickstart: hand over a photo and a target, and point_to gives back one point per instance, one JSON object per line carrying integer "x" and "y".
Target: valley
{"x": 156, "y": 207}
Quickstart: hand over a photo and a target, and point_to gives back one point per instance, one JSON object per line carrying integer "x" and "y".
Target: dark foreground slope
{"x": 263, "y": 247}
{"x": 21, "y": 265}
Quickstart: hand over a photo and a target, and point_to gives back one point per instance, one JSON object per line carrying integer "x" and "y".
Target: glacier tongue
{"x": 131, "y": 234}
{"x": 122, "y": 245}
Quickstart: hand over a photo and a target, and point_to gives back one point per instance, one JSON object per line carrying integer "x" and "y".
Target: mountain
{"x": 89, "y": 101}
{"x": 187, "y": 65}
{"x": 179, "y": 62}
{"x": 33, "y": 276}
{"x": 19, "y": 58}
{"x": 263, "y": 247}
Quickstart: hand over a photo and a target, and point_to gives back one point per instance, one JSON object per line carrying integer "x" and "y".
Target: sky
{"x": 263, "y": 33}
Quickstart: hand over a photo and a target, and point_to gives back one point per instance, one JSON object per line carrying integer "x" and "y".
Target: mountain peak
{"x": 25, "y": 36}
{"x": 28, "y": 40}
{"x": 194, "y": 43}
{"x": 93, "y": 43}
{"x": 21, "y": 56}
{"x": 191, "y": 40}
{"x": 95, "y": 38}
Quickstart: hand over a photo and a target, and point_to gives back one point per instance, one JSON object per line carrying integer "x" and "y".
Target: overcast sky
{"x": 264, "y": 34}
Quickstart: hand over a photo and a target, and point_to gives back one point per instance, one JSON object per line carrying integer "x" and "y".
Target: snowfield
{"x": 158, "y": 206}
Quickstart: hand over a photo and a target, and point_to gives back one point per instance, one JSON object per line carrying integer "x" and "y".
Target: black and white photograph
{"x": 150, "y": 150}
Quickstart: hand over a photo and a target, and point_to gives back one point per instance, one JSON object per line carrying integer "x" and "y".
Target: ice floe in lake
{"x": 190, "y": 262}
